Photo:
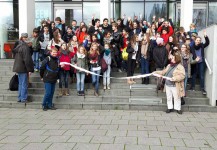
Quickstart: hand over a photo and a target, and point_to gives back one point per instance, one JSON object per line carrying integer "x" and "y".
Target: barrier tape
{"x": 121, "y": 78}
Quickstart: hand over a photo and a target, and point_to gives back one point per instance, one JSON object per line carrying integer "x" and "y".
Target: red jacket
{"x": 166, "y": 36}
{"x": 66, "y": 58}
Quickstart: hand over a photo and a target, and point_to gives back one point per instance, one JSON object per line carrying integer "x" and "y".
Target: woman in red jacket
{"x": 166, "y": 32}
{"x": 81, "y": 35}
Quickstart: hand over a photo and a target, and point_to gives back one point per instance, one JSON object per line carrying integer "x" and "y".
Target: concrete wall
{"x": 211, "y": 56}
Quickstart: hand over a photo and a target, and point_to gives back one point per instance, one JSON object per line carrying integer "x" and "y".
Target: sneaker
{"x": 82, "y": 93}
{"x": 179, "y": 112}
{"x": 119, "y": 70}
{"x": 104, "y": 87}
{"x": 19, "y": 101}
{"x": 24, "y": 101}
{"x": 79, "y": 93}
{"x": 52, "y": 108}
{"x": 44, "y": 108}
{"x": 203, "y": 92}
{"x": 168, "y": 111}
{"x": 36, "y": 70}
{"x": 192, "y": 89}
{"x": 108, "y": 87}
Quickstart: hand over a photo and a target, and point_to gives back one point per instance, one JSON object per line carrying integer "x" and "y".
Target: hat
{"x": 25, "y": 35}
{"x": 194, "y": 35}
{"x": 160, "y": 41}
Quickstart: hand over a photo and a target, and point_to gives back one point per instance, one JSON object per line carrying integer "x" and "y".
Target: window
{"x": 132, "y": 9}
{"x": 89, "y": 10}
{"x": 212, "y": 13}
{"x": 42, "y": 11}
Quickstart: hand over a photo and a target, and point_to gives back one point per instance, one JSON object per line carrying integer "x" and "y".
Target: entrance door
{"x": 68, "y": 12}
{"x": 199, "y": 14}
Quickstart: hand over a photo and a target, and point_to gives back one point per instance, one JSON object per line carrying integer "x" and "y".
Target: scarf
{"x": 80, "y": 55}
{"x": 197, "y": 47}
{"x": 107, "y": 52}
{"x": 173, "y": 64}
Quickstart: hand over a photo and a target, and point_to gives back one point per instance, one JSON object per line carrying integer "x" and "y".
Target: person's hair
{"x": 119, "y": 19}
{"x": 52, "y": 22}
{"x": 106, "y": 33}
{"x": 91, "y": 48}
{"x": 46, "y": 26}
{"x": 74, "y": 21}
{"x": 115, "y": 24}
{"x": 43, "y": 21}
{"x": 96, "y": 20}
{"x": 174, "y": 40}
{"x": 58, "y": 19}
{"x": 84, "y": 27}
{"x": 133, "y": 39}
{"x": 197, "y": 37}
{"x": 94, "y": 36}
{"x": 35, "y": 30}
{"x": 147, "y": 37}
{"x": 69, "y": 27}
{"x": 105, "y": 19}
{"x": 81, "y": 46}
{"x": 53, "y": 48}
{"x": 178, "y": 57}
{"x": 56, "y": 37}
{"x": 181, "y": 29}
{"x": 192, "y": 25}
{"x": 187, "y": 48}
{"x": 126, "y": 29}
{"x": 106, "y": 43}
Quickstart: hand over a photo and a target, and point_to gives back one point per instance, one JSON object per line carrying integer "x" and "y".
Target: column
{"x": 105, "y": 9}
{"x": 26, "y": 16}
{"x": 186, "y": 13}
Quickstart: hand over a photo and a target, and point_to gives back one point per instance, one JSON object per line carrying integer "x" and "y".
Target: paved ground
{"x": 106, "y": 130}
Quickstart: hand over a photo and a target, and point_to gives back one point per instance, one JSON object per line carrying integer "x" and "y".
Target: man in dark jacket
{"x": 23, "y": 65}
{"x": 197, "y": 50}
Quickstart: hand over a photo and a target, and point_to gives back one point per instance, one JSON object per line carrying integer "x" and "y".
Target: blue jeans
{"x": 23, "y": 85}
{"x": 144, "y": 66}
{"x": 186, "y": 80}
{"x": 35, "y": 58}
{"x": 80, "y": 81}
{"x": 64, "y": 77}
{"x": 95, "y": 80}
{"x": 48, "y": 97}
{"x": 199, "y": 69}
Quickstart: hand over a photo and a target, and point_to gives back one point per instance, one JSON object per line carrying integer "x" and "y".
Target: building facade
{"x": 204, "y": 12}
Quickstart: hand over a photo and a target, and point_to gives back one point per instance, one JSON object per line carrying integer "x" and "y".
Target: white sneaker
{"x": 104, "y": 87}
{"x": 108, "y": 87}
{"x": 119, "y": 70}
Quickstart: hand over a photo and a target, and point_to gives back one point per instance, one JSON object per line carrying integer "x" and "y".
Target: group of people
{"x": 155, "y": 46}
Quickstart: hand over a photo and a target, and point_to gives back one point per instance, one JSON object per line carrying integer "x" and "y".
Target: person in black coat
{"x": 23, "y": 65}
{"x": 105, "y": 26}
{"x": 49, "y": 73}
{"x": 197, "y": 51}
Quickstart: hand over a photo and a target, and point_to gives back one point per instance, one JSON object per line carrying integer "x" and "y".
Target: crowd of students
{"x": 101, "y": 48}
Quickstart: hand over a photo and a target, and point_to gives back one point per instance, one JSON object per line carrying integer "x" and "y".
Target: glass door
{"x": 199, "y": 14}
{"x": 68, "y": 12}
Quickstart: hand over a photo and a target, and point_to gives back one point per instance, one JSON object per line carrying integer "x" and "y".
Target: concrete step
{"x": 108, "y": 106}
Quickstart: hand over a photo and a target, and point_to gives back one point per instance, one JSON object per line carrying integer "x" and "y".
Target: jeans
{"x": 199, "y": 69}
{"x": 144, "y": 66}
{"x": 95, "y": 80}
{"x": 106, "y": 76}
{"x": 48, "y": 97}
{"x": 35, "y": 58}
{"x": 185, "y": 81}
{"x": 64, "y": 77}
{"x": 80, "y": 81}
{"x": 131, "y": 65}
{"x": 42, "y": 55}
{"x": 23, "y": 85}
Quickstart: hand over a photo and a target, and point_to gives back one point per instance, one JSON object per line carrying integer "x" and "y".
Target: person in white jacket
{"x": 106, "y": 74}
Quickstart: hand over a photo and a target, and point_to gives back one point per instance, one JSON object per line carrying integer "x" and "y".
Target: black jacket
{"x": 130, "y": 50}
{"x": 23, "y": 59}
{"x": 160, "y": 56}
{"x": 50, "y": 76}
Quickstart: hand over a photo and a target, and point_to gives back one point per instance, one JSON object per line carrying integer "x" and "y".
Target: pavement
{"x": 33, "y": 129}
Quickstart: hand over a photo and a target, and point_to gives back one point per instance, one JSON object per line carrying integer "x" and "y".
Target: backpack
{"x": 104, "y": 65}
{"x": 14, "y": 83}
{"x": 49, "y": 69}
{"x": 124, "y": 54}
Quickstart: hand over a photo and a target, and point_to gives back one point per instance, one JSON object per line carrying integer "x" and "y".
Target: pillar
{"x": 105, "y": 9}
{"x": 186, "y": 13}
{"x": 26, "y": 16}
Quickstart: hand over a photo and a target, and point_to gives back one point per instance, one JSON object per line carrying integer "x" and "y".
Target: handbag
{"x": 124, "y": 54}
{"x": 14, "y": 83}
{"x": 104, "y": 65}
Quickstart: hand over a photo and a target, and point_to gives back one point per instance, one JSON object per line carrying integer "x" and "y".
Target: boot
{"x": 143, "y": 80}
{"x": 60, "y": 92}
{"x": 147, "y": 81}
{"x": 67, "y": 92}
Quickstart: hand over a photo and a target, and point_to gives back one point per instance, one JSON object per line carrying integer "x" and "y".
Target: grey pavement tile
{"x": 66, "y": 121}
{"x": 147, "y": 128}
{"x": 137, "y": 122}
{"x": 86, "y": 146}
{"x": 75, "y": 132}
{"x": 116, "y": 133}
{"x": 14, "y": 126}
{"x": 196, "y": 143}
{"x": 161, "y": 148}
{"x": 69, "y": 126}
{"x": 180, "y": 135}
{"x": 205, "y": 136}
{"x": 166, "y": 128}
{"x": 37, "y": 146}
{"x": 127, "y": 127}
{"x": 33, "y": 121}
{"x": 126, "y": 140}
{"x": 108, "y": 127}
{"x": 35, "y": 139}
{"x": 137, "y": 133}
{"x": 164, "y": 118}
{"x": 14, "y": 132}
{"x": 207, "y": 148}
{"x": 2, "y": 131}
{"x": 33, "y": 126}
{"x": 180, "y": 119}
{"x": 107, "y": 113}
{"x": 186, "y": 148}
{"x": 209, "y": 124}
{"x": 212, "y": 144}
{"x": 96, "y": 132}
{"x": 113, "y": 117}
{"x": 129, "y": 117}
{"x": 103, "y": 139}
{"x": 66, "y": 116}
{"x": 51, "y": 127}
{"x": 86, "y": 121}
{"x": 214, "y": 120}
{"x": 57, "y": 139}
{"x": 148, "y": 141}
{"x": 136, "y": 147}
{"x": 80, "y": 139}
{"x": 155, "y": 123}
{"x": 101, "y": 122}
{"x": 13, "y": 139}
{"x": 172, "y": 142}
{"x": 13, "y": 146}
{"x": 34, "y": 132}
{"x": 145, "y": 118}
{"x": 77, "y": 117}
{"x": 187, "y": 129}
{"x": 158, "y": 134}
{"x": 192, "y": 124}
{"x": 154, "y": 114}
{"x": 173, "y": 123}
{"x": 62, "y": 146}
{"x": 54, "y": 132}
{"x": 206, "y": 130}
{"x": 49, "y": 121}
{"x": 120, "y": 122}
{"x": 2, "y": 137}
{"x": 197, "y": 119}
{"x": 215, "y": 136}
{"x": 111, "y": 147}
{"x": 90, "y": 127}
